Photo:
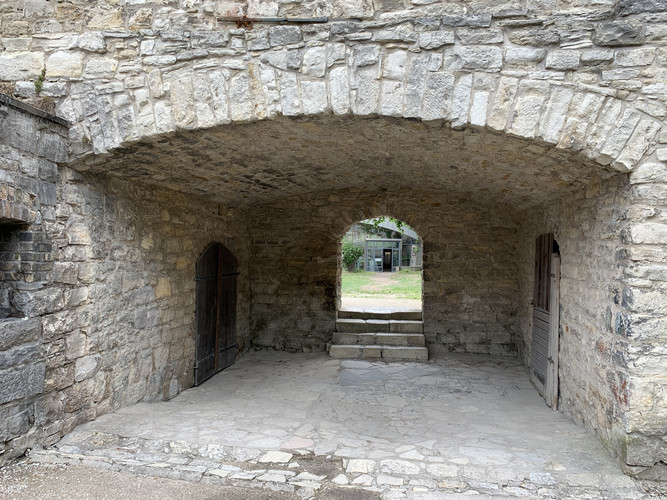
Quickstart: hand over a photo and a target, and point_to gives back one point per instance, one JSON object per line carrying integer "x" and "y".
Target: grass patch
{"x": 405, "y": 284}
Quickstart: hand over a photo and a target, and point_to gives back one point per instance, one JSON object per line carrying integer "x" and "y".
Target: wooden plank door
{"x": 215, "y": 343}
{"x": 546, "y": 307}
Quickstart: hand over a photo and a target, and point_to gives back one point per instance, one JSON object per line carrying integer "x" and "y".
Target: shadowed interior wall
{"x": 470, "y": 288}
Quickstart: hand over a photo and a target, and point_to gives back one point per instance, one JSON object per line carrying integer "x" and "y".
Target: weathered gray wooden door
{"x": 546, "y": 309}
{"x": 215, "y": 345}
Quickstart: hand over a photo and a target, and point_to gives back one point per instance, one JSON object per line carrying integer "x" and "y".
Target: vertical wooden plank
{"x": 218, "y": 306}
{"x": 554, "y": 325}
{"x": 536, "y": 277}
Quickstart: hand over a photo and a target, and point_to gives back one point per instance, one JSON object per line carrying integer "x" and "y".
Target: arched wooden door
{"x": 215, "y": 345}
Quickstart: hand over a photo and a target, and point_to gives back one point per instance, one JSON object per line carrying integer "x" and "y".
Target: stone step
{"x": 405, "y": 314}
{"x": 379, "y": 325}
{"x": 379, "y": 338}
{"x": 389, "y": 352}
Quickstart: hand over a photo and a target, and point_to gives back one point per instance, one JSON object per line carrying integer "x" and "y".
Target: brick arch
{"x": 14, "y": 212}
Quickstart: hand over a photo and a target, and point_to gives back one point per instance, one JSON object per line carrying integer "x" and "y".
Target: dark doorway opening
{"x": 386, "y": 260}
{"x": 215, "y": 345}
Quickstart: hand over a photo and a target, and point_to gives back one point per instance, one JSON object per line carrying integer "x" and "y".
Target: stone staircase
{"x": 379, "y": 334}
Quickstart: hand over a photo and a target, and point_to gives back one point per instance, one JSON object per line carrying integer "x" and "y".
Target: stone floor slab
{"x": 460, "y": 425}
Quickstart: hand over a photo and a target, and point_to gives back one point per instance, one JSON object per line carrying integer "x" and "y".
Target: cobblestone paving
{"x": 306, "y": 423}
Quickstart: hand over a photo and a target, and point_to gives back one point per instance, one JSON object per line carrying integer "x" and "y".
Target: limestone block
{"x": 182, "y": 102}
{"x": 480, "y": 57}
{"x": 14, "y": 421}
{"x": 415, "y": 85}
{"x": 360, "y": 466}
{"x": 289, "y": 94}
{"x": 395, "y": 65}
{"x": 314, "y": 61}
{"x": 391, "y": 98}
{"x": 351, "y": 325}
{"x": 606, "y": 121}
{"x": 86, "y": 367}
{"x": 76, "y": 345}
{"x": 257, "y": 39}
{"x": 619, "y": 135}
{"x": 431, "y": 40}
{"x": 346, "y": 351}
{"x": 437, "y": 96}
{"x": 92, "y": 41}
{"x": 562, "y": 59}
{"x": 442, "y": 471}
{"x": 479, "y": 37}
{"x": 15, "y": 331}
{"x": 479, "y": 109}
{"x": 22, "y": 382}
{"x": 619, "y": 33}
{"x": 435, "y": 62}
{"x": 339, "y": 88}
{"x": 335, "y": 52}
{"x": 78, "y": 234}
{"x": 76, "y": 296}
{"x": 475, "y": 21}
{"x": 366, "y": 55}
{"x": 592, "y": 56}
{"x": 637, "y": 145}
{"x": 276, "y": 58}
{"x": 65, "y": 63}
{"x": 21, "y": 354}
{"x": 399, "y": 34}
{"x": 163, "y": 288}
{"x": 268, "y": 93}
{"x": 313, "y": 97}
{"x": 368, "y": 92}
{"x": 461, "y": 102}
{"x": 399, "y": 467}
{"x": 284, "y": 35}
{"x": 528, "y": 108}
{"x": 220, "y": 96}
{"x": 635, "y": 57}
{"x": 500, "y": 111}
{"x": 100, "y": 67}
{"x": 523, "y": 55}
{"x": 650, "y": 233}
{"x": 649, "y": 172}
{"x": 54, "y": 326}
{"x": 555, "y": 114}
{"x": 21, "y": 66}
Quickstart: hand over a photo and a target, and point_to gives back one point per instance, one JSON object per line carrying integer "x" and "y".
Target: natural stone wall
{"x": 553, "y": 96}
{"x": 470, "y": 286}
{"x": 587, "y": 78}
{"x": 29, "y": 147}
{"x": 589, "y": 229}
{"x": 643, "y": 324}
{"x": 108, "y": 315}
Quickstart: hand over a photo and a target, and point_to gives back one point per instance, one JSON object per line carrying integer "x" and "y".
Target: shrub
{"x": 351, "y": 254}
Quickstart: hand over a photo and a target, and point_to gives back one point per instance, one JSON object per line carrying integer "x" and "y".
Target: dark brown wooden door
{"x": 215, "y": 345}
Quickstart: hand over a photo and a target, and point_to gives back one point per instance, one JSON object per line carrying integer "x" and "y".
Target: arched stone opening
{"x": 386, "y": 246}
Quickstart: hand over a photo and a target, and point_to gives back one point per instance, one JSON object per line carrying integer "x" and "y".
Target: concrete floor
{"x": 305, "y": 423}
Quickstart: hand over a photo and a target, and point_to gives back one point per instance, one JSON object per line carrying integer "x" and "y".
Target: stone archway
{"x": 501, "y": 124}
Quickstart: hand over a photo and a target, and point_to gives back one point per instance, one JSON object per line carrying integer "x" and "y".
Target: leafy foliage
{"x": 351, "y": 254}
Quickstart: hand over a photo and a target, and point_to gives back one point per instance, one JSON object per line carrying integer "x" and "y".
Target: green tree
{"x": 351, "y": 254}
